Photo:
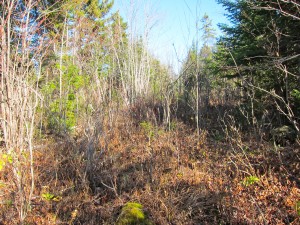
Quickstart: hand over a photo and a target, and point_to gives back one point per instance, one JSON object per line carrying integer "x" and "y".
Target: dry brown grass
{"x": 179, "y": 179}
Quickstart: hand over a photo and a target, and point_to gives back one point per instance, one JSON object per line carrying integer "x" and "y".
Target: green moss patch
{"x": 132, "y": 213}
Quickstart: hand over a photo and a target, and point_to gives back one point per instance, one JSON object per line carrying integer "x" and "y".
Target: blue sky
{"x": 172, "y": 22}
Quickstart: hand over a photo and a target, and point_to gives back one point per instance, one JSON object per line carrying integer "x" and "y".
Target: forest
{"x": 97, "y": 130}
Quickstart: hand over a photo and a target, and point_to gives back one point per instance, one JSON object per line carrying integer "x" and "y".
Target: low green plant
{"x": 298, "y": 207}
{"x": 4, "y": 159}
{"x": 173, "y": 125}
{"x": 7, "y": 203}
{"x": 50, "y": 197}
{"x": 149, "y": 130}
{"x": 296, "y": 94}
{"x": 132, "y": 214}
{"x": 250, "y": 180}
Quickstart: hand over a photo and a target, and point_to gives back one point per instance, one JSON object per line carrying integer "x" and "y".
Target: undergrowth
{"x": 172, "y": 177}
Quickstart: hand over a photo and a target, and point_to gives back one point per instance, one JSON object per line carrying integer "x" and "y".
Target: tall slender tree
{"x": 197, "y": 75}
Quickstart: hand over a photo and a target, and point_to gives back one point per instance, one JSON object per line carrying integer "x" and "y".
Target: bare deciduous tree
{"x": 20, "y": 69}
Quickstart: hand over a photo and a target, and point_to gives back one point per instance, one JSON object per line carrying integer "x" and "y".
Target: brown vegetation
{"x": 177, "y": 177}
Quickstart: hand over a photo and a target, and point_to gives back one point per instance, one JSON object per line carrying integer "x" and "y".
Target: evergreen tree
{"x": 261, "y": 49}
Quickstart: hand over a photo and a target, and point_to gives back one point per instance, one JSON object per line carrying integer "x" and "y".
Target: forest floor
{"x": 177, "y": 176}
